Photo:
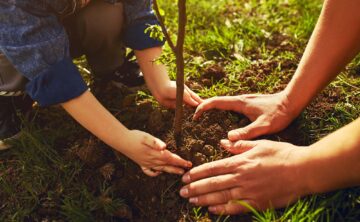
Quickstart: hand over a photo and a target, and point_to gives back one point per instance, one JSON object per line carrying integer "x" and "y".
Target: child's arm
{"x": 158, "y": 81}
{"x": 146, "y": 150}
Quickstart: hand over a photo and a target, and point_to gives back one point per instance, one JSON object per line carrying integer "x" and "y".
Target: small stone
{"x": 199, "y": 159}
{"x": 208, "y": 150}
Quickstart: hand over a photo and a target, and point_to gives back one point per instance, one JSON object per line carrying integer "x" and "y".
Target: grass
{"x": 240, "y": 35}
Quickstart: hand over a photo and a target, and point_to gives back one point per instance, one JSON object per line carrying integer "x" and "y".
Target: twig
{"x": 163, "y": 27}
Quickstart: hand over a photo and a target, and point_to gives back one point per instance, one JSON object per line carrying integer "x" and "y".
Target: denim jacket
{"x": 36, "y": 43}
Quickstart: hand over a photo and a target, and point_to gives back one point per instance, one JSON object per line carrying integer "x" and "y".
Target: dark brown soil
{"x": 157, "y": 199}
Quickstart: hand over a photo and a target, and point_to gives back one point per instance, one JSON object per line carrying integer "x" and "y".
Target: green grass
{"x": 240, "y": 35}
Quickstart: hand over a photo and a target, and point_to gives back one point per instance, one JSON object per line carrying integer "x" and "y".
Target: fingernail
{"x": 189, "y": 164}
{"x": 193, "y": 200}
{"x": 233, "y": 134}
{"x": 212, "y": 209}
{"x": 180, "y": 172}
{"x": 186, "y": 178}
{"x": 225, "y": 143}
{"x": 184, "y": 192}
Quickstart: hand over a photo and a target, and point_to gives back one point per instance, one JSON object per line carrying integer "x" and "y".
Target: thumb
{"x": 221, "y": 102}
{"x": 253, "y": 130}
{"x": 150, "y": 172}
{"x": 239, "y": 146}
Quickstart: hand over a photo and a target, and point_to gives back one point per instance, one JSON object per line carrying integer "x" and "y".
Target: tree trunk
{"x": 180, "y": 70}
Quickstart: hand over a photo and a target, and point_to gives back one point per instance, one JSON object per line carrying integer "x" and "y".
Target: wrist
{"x": 163, "y": 90}
{"x": 292, "y": 105}
{"x": 301, "y": 172}
{"x": 122, "y": 140}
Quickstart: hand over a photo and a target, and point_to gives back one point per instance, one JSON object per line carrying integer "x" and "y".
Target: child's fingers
{"x": 170, "y": 169}
{"x": 153, "y": 142}
{"x": 150, "y": 172}
{"x": 172, "y": 159}
{"x": 189, "y": 99}
{"x": 195, "y": 96}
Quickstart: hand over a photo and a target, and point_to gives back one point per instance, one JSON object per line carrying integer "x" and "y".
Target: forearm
{"x": 155, "y": 73}
{"x": 333, "y": 162}
{"x": 87, "y": 110}
{"x": 334, "y": 42}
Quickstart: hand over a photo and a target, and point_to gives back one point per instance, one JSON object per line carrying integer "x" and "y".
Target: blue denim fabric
{"x": 36, "y": 43}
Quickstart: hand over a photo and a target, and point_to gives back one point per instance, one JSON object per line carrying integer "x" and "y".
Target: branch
{"x": 163, "y": 27}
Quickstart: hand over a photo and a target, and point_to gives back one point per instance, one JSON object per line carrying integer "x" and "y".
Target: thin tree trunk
{"x": 180, "y": 69}
{"x": 178, "y": 50}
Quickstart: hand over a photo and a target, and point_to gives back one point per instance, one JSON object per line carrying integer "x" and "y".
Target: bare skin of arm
{"x": 274, "y": 174}
{"x": 147, "y": 151}
{"x": 334, "y": 42}
{"x": 271, "y": 174}
{"x": 158, "y": 81}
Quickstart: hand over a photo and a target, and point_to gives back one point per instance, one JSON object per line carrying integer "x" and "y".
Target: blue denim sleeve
{"x": 139, "y": 15}
{"x": 37, "y": 45}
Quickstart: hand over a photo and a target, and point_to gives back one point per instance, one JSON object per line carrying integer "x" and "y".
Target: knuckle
{"x": 226, "y": 195}
{"x": 235, "y": 193}
{"x": 144, "y": 138}
{"x": 238, "y": 177}
{"x": 213, "y": 182}
{"x": 239, "y": 144}
{"x": 166, "y": 156}
{"x": 211, "y": 169}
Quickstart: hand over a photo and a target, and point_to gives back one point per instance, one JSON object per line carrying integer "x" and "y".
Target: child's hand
{"x": 166, "y": 95}
{"x": 151, "y": 154}
{"x": 158, "y": 81}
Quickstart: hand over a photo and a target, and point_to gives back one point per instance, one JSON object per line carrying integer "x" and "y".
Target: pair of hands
{"x": 247, "y": 176}
{"x": 264, "y": 175}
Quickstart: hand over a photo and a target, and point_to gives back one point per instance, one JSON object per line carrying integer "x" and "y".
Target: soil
{"x": 157, "y": 199}
{"x": 147, "y": 198}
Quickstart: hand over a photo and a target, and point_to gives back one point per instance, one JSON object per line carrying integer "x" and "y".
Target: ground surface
{"x": 59, "y": 172}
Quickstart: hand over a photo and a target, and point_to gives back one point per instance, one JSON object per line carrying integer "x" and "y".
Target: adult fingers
{"x": 153, "y": 142}
{"x": 150, "y": 172}
{"x": 218, "y": 198}
{"x": 221, "y": 102}
{"x": 231, "y": 208}
{"x": 239, "y": 146}
{"x": 206, "y": 170}
{"x": 209, "y": 185}
{"x": 169, "y": 169}
{"x": 253, "y": 130}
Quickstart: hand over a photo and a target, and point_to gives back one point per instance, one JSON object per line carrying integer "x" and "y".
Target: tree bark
{"x": 178, "y": 50}
{"x": 180, "y": 69}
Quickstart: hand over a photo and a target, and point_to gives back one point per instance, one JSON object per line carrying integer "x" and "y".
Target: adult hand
{"x": 268, "y": 113}
{"x": 267, "y": 175}
{"x": 166, "y": 95}
{"x": 151, "y": 154}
